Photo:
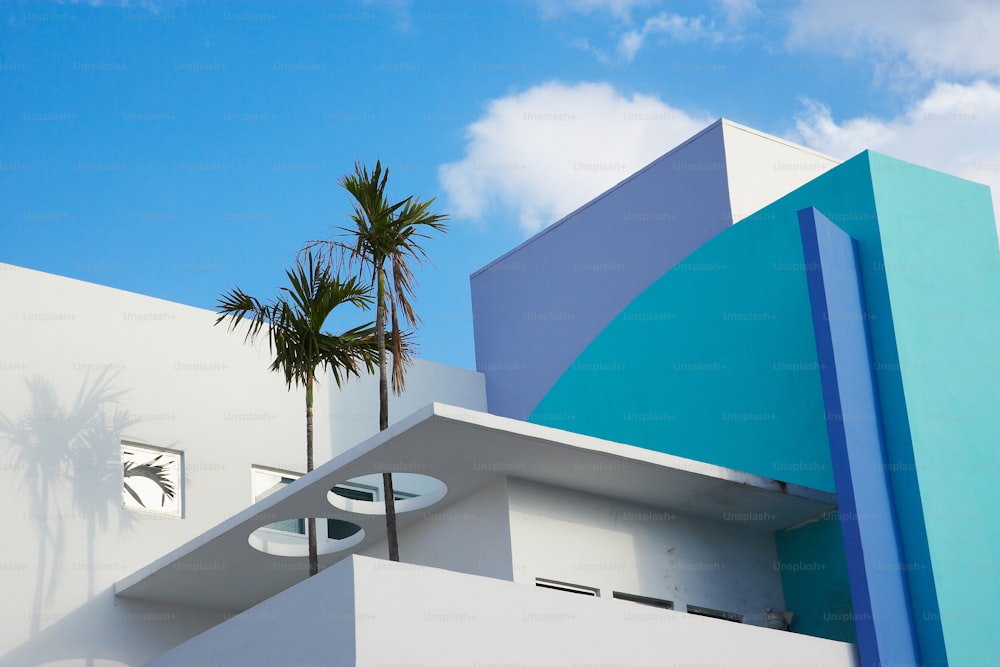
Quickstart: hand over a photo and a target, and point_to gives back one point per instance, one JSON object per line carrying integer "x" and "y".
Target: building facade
{"x": 737, "y": 410}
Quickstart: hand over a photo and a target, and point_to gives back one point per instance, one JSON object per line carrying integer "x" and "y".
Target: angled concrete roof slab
{"x": 466, "y": 450}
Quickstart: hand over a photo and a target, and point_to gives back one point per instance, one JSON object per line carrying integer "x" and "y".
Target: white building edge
{"x": 515, "y": 548}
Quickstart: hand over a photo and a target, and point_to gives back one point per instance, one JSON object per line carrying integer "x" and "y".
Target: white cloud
{"x": 955, "y": 129}
{"x": 737, "y": 11}
{"x": 678, "y": 28}
{"x": 631, "y": 36}
{"x": 933, "y": 37}
{"x": 733, "y": 10}
{"x": 619, "y": 8}
{"x": 540, "y": 154}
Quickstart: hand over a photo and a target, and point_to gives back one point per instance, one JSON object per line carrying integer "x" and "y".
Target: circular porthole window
{"x": 365, "y": 495}
{"x": 288, "y": 538}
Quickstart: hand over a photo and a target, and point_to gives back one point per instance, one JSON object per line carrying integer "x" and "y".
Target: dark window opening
{"x": 642, "y": 599}
{"x": 715, "y": 613}
{"x": 566, "y": 587}
{"x": 354, "y": 493}
{"x": 338, "y": 530}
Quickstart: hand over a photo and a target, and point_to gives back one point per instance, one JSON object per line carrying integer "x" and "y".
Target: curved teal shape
{"x": 716, "y": 361}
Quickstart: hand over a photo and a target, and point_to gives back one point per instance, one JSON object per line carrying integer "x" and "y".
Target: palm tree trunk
{"x": 383, "y": 384}
{"x": 313, "y": 556}
{"x": 383, "y": 417}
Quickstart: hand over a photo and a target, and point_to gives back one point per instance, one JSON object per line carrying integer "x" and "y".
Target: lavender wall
{"x": 536, "y": 308}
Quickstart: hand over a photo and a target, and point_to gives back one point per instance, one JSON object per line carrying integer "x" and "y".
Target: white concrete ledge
{"x": 365, "y": 611}
{"x": 466, "y": 450}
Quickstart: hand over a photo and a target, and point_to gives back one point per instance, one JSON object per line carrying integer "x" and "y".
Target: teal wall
{"x": 931, "y": 272}
{"x": 814, "y": 578}
{"x": 880, "y": 595}
{"x": 716, "y": 361}
{"x": 846, "y": 195}
{"x": 942, "y": 271}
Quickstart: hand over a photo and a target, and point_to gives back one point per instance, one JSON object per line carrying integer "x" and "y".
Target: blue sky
{"x": 178, "y": 149}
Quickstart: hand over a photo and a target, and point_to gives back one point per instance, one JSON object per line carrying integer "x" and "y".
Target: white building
{"x": 509, "y": 514}
{"x": 522, "y": 544}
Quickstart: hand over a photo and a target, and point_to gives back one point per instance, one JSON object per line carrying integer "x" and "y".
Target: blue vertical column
{"x": 875, "y": 562}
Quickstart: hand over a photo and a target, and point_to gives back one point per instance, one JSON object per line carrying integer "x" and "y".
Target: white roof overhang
{"x": 466, "y": 450}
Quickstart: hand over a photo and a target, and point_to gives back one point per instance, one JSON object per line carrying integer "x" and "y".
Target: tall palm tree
{"x": 385, "y": 242}
{"x": 294, "y": 323}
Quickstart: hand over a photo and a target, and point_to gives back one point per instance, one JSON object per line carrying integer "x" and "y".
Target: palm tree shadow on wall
{"x": 68, "y": 460}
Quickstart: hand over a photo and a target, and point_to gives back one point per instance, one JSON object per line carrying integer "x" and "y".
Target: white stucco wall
{"x": 354, "y": 409}
{"x": 417, "y": 616}
{"x": 612, "y": 545}
{"x": 471, "y": 535}
{"x": 761, "y": 168}
{"x": 317, "y": 620}
{"x": 184, "y": 385}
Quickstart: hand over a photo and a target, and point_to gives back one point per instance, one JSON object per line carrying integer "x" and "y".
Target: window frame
{"x": 280, "y": 474}
{"x": 567, "y": 587}
{"x": 176, "y": 464}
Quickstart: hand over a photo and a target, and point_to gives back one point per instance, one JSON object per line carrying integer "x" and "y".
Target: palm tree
{"x": 294, "y": 323}
{"x": 384, "y": 240}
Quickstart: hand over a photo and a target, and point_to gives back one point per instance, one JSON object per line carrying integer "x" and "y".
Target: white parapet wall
{"x": 615, "y": 546}
{"x": 370, "y": 612}
{"x": 471, "y": 535}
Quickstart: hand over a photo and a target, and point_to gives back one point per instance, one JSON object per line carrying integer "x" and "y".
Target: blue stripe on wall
{"x": 875, "y": 560}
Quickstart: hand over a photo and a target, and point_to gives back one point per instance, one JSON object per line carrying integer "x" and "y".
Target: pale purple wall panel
{"x": 537, "y": 308}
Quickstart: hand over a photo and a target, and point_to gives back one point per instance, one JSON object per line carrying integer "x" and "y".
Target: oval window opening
{"x": 365, "y": 495}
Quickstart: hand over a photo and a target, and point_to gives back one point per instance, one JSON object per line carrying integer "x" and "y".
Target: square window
{"x": 266, "y": 481}
{"x": 152, "y": 479}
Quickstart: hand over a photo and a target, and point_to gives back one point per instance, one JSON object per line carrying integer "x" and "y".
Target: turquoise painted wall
{"x": 814, "y": 578}
{"x": 716, "y": 361}
{"x": 931, "y": 271}
{"x": 942, "y": 271}
{"x": 846, "y": 195}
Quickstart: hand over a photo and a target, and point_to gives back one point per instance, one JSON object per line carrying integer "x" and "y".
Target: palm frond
{"x": 155, "y": 472}
{"x": 132, "y": 492}
{"x": 295, "y": 320}
{"x": 236, "y": 305}
{"x": 384, "y": 232}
